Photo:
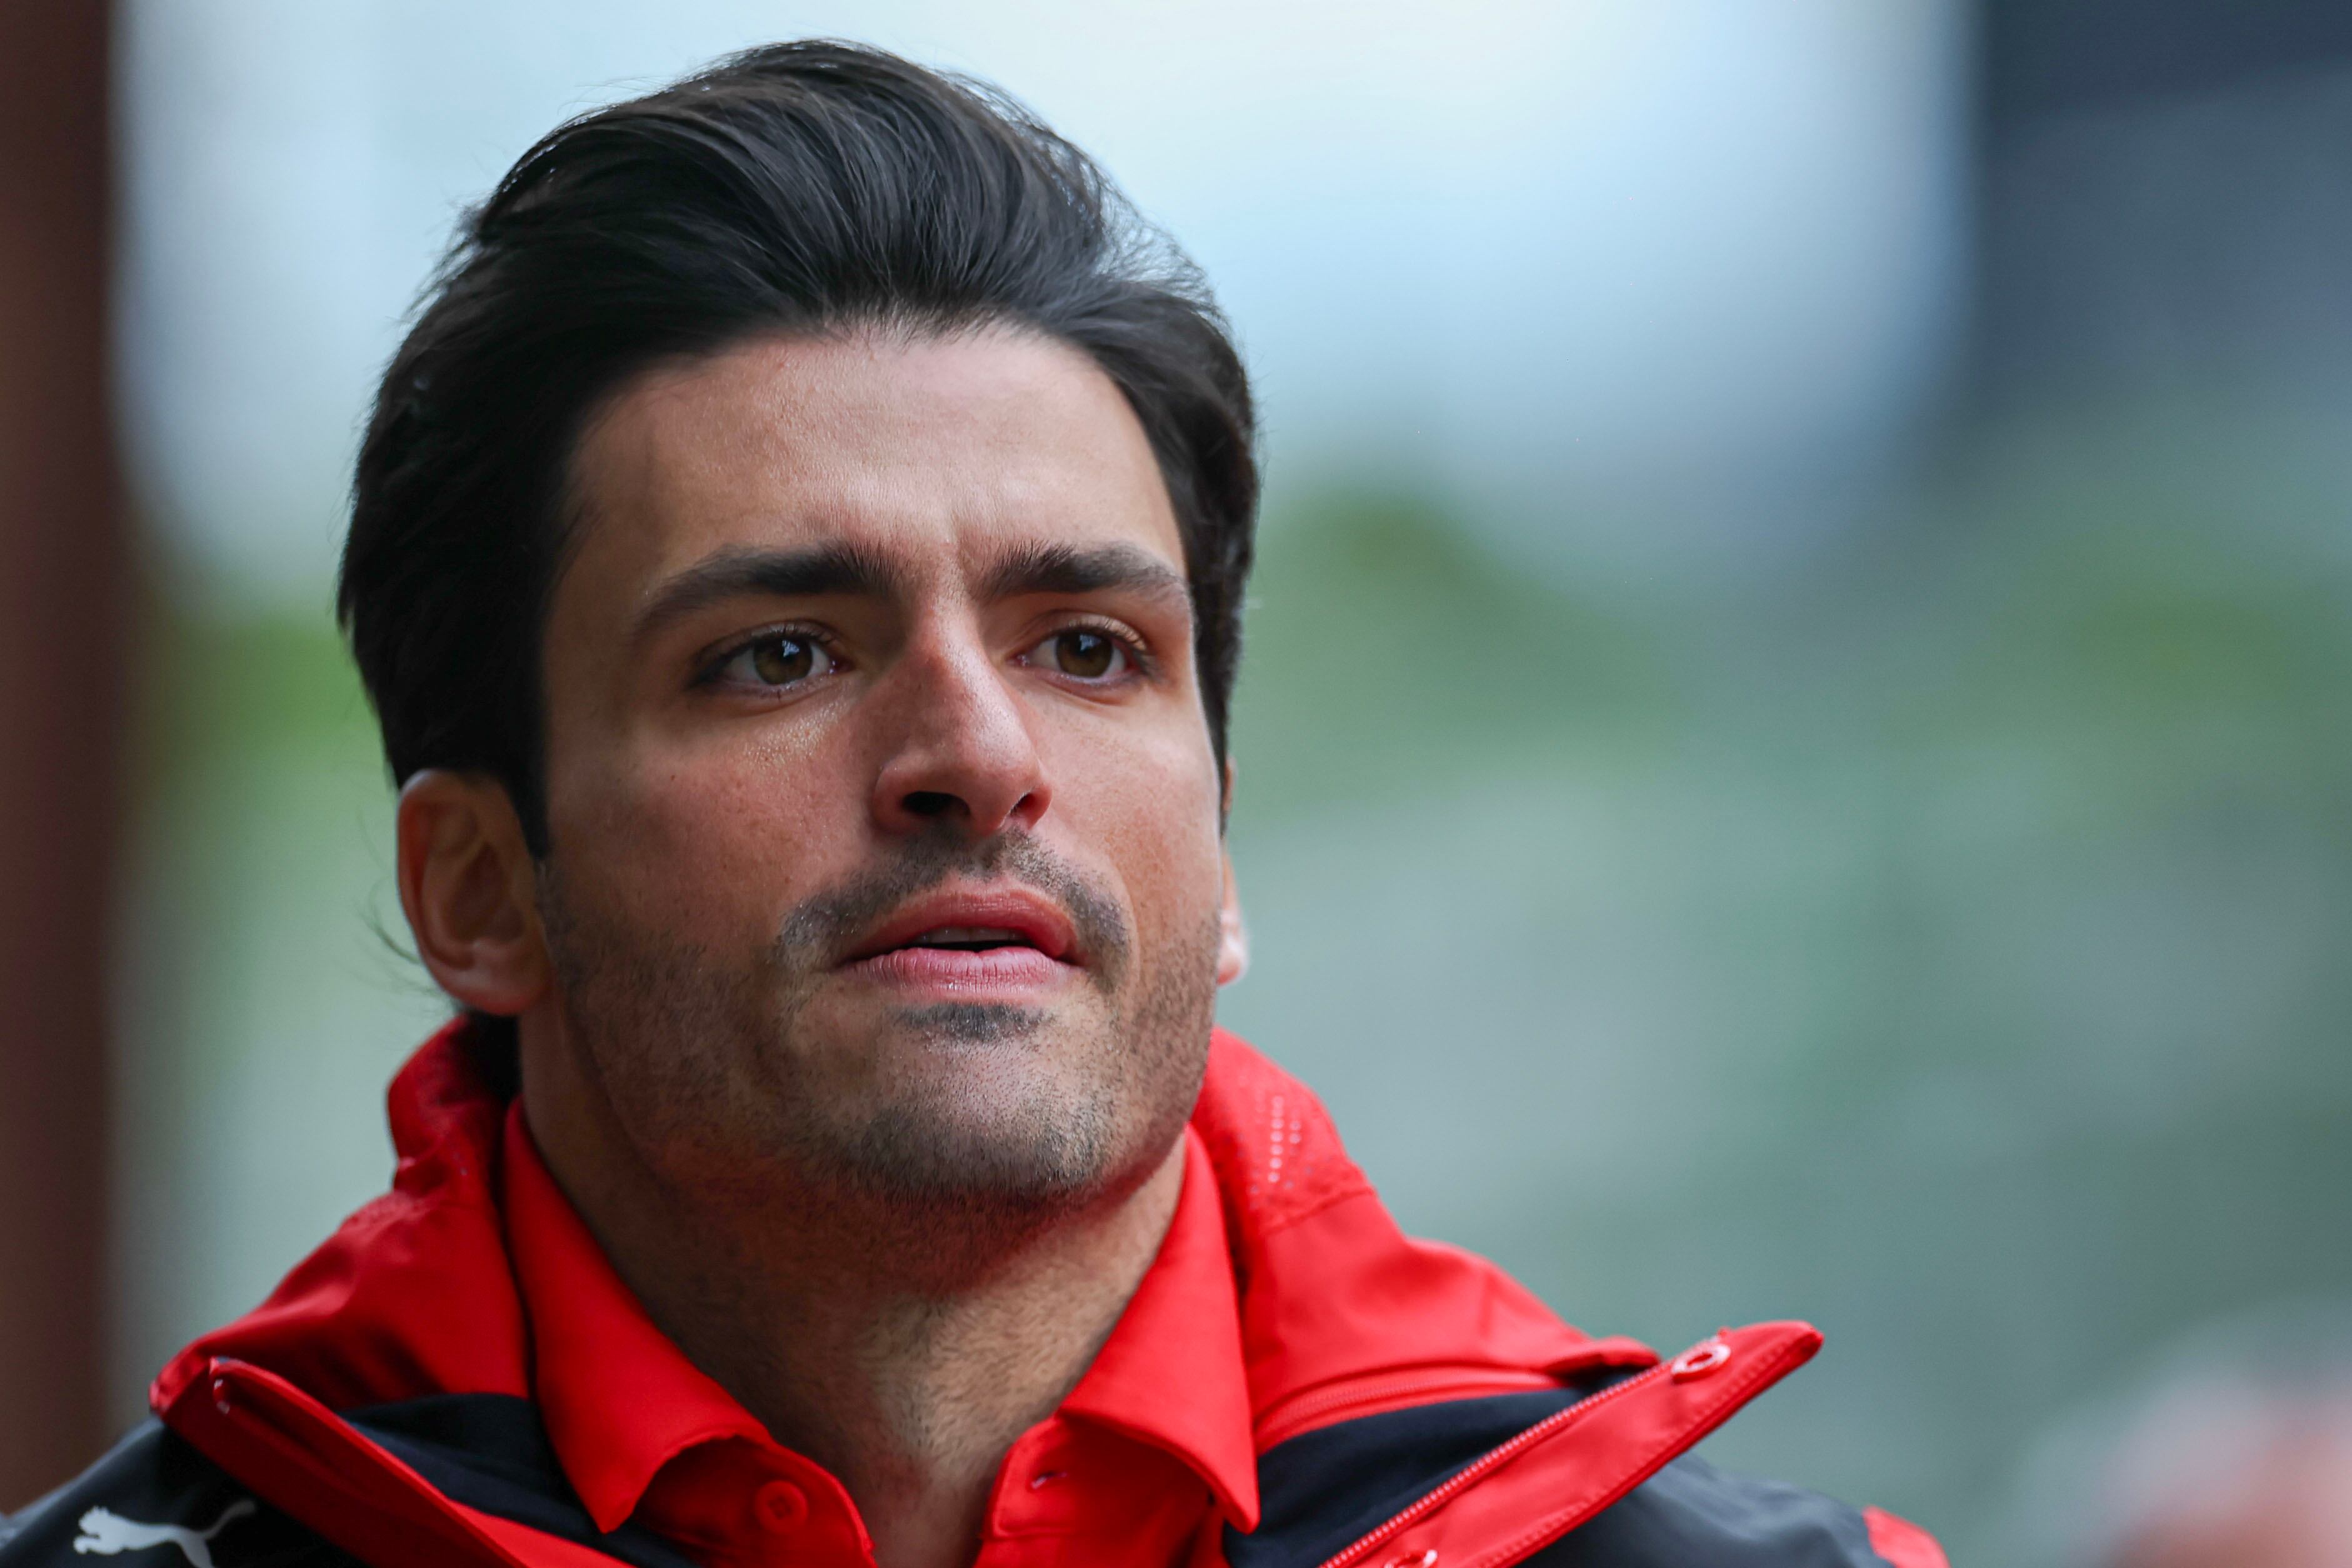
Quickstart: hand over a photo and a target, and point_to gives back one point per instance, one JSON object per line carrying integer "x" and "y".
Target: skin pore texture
{"x": 867, "y": 982}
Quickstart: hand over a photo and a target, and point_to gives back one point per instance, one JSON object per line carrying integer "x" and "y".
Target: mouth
{"x": 994, "y": 937}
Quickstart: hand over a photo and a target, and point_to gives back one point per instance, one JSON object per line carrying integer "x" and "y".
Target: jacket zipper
{"x": 1486, "y": 1464}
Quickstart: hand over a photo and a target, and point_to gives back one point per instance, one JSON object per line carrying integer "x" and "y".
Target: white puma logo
{"x": 107, "y": 1533}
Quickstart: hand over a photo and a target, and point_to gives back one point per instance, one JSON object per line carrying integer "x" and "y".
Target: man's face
{"x": 884, "y": 820}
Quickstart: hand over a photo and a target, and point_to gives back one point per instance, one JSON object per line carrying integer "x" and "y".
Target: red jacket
{"x": 1375, "y": 1364}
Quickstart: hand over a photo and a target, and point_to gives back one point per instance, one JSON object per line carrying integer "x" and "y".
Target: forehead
{"x": 939, "y": 451}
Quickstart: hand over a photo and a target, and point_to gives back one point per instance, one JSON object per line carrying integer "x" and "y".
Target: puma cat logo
{"x": 106, "y": 1533}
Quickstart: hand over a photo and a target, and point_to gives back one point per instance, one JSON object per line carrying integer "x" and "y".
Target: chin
{"x": 988, "y": 1146}
{"x": 984, "y": 1103}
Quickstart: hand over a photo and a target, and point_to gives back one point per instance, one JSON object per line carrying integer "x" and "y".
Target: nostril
{"x": 929, "y": 803}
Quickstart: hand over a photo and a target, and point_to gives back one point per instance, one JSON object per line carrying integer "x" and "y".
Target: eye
{"x": 783, "y": 659}
{"x": 1083, "y": 655}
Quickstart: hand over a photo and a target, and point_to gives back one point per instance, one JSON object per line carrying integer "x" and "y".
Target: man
{"x": 797, "y": 560}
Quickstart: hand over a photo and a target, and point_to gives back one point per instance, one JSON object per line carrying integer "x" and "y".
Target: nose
{"x": 961, "y": 750}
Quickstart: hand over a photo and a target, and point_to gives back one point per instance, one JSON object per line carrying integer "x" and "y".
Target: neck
{"x": 852, "y": 1335}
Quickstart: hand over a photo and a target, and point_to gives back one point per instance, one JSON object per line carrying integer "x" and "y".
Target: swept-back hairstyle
{"x": 801, "y": 189}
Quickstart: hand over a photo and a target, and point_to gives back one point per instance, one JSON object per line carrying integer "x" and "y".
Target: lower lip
{"x": 961, "y": 971}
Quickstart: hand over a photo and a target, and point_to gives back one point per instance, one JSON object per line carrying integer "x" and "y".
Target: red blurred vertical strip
{"x": 63, "y": 564}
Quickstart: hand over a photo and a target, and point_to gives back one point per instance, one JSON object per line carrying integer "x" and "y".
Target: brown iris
{"x": 1086, "y": 654}
{"x": 781, "y": 661}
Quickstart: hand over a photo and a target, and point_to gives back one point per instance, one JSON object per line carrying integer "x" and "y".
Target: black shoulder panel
{"x": 1692, "y": 1514}
{"x": 487, "y": 1451}
{"x": 1322, "y": 1491}
{"x": 153, "y": 1489}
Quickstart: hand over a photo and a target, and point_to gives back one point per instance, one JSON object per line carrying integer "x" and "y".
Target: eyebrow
{"x": 839, "y": 570}
{"x": 826, "y": 571}
{"x": 1069, "y": 569}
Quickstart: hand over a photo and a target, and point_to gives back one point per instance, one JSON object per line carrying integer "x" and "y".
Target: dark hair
{"x": 803, "y": 188}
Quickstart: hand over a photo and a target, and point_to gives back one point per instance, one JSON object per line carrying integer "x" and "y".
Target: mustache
{"x": 821, "y": 928}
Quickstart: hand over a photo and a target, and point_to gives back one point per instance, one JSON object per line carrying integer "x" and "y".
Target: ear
{"x": 1233, "y": 936}
{"x": 469, "y": 889}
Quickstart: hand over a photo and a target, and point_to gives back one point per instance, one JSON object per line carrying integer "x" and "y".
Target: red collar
{"x": 621, "y": 1401}
{"x": 1339, "y": 1313}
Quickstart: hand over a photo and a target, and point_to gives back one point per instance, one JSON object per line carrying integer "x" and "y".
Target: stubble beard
{"x": 714, "y": 1073}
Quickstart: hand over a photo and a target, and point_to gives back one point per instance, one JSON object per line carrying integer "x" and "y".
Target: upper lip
{"x": 1028, "y": 916}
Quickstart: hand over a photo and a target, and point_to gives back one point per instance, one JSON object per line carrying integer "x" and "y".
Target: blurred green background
{"x": 1793, "y": 748}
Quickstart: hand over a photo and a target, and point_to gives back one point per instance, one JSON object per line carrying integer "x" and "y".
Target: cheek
{"x": 717, "y": 838}
{"x": 1150, "y": 807}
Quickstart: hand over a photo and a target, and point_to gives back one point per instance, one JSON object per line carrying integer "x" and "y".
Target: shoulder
{"x": 153, "y": 1489}
{"x": 1691, "y": 1514}
{"x": 1528, "y": 1479}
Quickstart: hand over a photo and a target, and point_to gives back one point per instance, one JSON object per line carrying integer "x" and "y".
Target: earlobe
{"x": 467, "y": 885}
{"x": 1233, "y": 936}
